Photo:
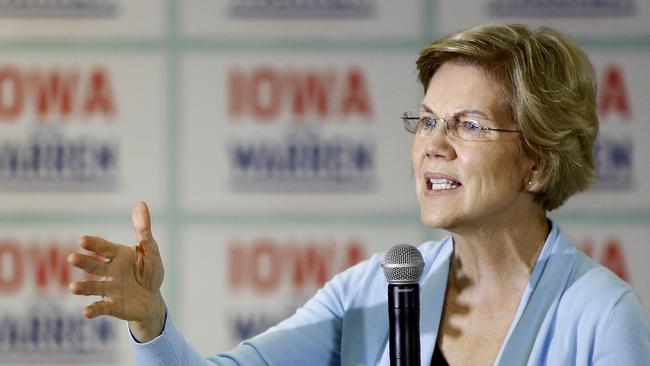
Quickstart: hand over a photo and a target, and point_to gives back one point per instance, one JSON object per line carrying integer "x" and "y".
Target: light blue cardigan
{"x": 573, "y": 312}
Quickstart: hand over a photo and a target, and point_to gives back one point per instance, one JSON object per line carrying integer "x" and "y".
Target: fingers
{"x": 141, "y": 221}
{"x": 91, "y": 288}
{"x": 88, "y": 263}
{"x": 98, "y": 308}
{"x": 99, "y": 245}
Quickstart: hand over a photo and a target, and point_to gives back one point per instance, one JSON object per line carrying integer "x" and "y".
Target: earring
{"x": 530, "y": 182}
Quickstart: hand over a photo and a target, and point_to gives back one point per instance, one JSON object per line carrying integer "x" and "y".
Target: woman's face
{"x": 459, "y": 183}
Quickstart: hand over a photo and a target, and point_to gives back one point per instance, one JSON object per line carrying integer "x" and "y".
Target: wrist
{"x": 147, "y": 329}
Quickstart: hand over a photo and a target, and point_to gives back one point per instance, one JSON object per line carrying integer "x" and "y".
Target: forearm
{"x": 171, "y": 348}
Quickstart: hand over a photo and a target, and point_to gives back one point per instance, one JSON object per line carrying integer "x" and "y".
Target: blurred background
{"x": 265, "y": 137}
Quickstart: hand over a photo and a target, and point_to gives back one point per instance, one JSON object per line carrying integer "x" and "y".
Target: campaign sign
{"x": 241, "y": 280}
{"x": 79, "y": 19}
{"x": 585, "y": 18}
{"x": 53, "y": 8}
{"x": 297, "y": 132}
{"x": 72, "y": 132}
{"x": 312, "y": 19}
{"x": 41, "y": 322}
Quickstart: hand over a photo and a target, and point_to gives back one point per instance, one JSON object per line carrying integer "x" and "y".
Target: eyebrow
{"x": 475, "y": 112}
{"x": 425, "y": 107}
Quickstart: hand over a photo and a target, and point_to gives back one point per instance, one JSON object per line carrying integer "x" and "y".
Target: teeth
{"x": 439, "y": 184}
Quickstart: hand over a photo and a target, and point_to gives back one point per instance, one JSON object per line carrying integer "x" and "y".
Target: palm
{"x": 137, "y": 276}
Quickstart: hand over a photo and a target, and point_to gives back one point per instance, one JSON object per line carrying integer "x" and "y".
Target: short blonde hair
{"x": 549, "y": 91}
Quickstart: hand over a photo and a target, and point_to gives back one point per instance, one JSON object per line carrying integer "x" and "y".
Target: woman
{"x": 504, "y": 134}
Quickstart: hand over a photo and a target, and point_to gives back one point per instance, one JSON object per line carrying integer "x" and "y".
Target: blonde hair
{"x": 549, "y": 91}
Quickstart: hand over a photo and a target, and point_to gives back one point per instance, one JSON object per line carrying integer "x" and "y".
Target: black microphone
{"x": 402, "y": 265}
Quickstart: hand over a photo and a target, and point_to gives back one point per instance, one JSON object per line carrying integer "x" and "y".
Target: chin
{"x": 434, "y": 220}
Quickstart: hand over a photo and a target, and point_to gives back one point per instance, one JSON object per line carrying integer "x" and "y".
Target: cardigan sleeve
{"x": 312, "y": 336}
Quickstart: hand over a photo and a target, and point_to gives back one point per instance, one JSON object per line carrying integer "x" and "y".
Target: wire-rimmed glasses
{"x": 463, "y": 126}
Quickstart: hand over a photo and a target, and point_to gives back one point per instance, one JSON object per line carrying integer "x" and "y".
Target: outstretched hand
{"x": 128, "y": 278}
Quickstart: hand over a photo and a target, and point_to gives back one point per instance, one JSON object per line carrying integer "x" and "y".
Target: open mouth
{"x": 441, "y": 183}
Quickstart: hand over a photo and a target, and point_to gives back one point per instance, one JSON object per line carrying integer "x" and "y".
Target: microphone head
{"x": 403, "y": 263}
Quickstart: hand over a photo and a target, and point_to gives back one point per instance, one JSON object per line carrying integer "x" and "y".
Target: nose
{"x": 436, "y": 144}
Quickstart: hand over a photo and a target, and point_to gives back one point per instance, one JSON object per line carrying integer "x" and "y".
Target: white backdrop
{"x": 264, "y": 137}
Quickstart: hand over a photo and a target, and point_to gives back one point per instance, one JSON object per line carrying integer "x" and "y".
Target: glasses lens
{"x": 467, "y": 128}
{"x": 411, "y": 121}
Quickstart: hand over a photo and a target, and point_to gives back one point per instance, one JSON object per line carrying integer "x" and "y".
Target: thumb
{"x": 141, "y": 221}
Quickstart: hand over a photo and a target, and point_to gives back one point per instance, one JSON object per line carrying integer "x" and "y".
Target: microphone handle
{"x": 404, "y": 324}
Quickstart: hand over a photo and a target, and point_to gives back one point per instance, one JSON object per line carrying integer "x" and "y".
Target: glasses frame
{"x": 407, "y": 119}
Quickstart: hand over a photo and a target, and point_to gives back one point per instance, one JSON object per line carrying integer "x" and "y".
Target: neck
{"x": 497, "y": 259}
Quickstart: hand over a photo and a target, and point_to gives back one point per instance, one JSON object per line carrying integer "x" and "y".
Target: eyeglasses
{"x": 464, "y": 127}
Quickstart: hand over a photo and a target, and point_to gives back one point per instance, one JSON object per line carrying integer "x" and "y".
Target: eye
{"x": 427, "y": 123}
{"x": 469, "y": 124}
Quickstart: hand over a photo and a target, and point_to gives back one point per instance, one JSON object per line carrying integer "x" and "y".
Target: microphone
{"x": 403, "y": 265}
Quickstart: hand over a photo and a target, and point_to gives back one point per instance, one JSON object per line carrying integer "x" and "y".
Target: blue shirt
{"x": 573, "y": 312}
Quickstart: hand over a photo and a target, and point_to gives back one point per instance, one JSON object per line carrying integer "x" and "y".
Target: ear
{"x": 533, "y": 177}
